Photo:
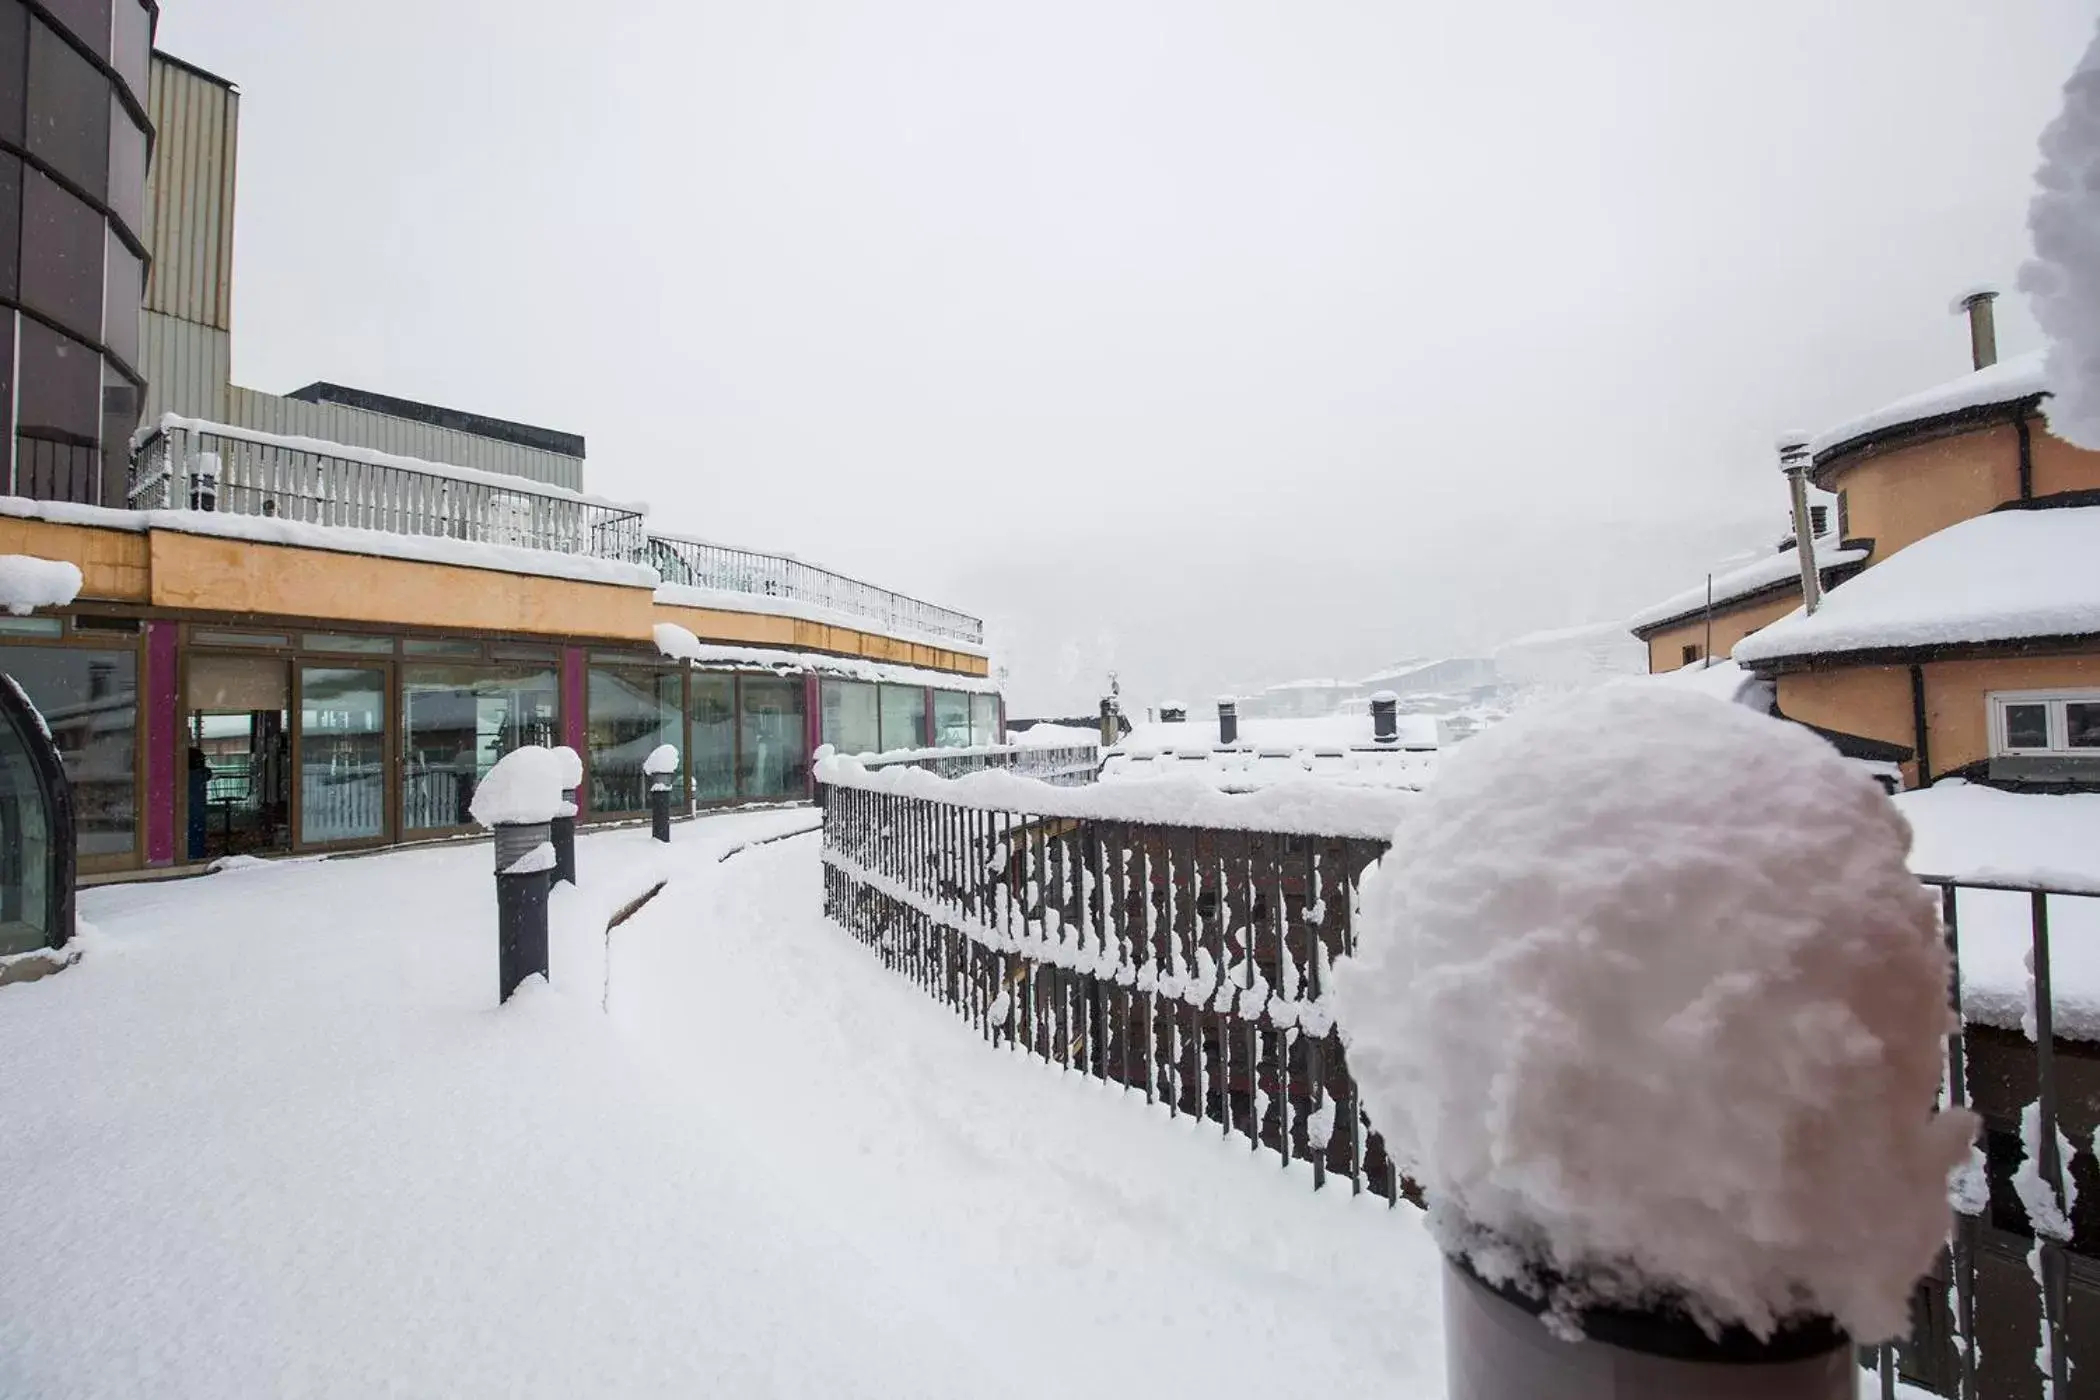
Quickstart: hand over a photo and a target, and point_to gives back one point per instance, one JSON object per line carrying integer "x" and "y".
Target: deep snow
{"x": 274, "y": 1136}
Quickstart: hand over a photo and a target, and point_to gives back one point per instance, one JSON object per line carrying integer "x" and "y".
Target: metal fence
{"x": 181, "y": 468}
{"x": 1191, "y": 966}
{"x": 1065, "y": 765}
{"x": 698, "y": 564}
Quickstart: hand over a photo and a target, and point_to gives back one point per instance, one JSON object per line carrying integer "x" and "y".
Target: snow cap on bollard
{"x": 1647, "y": 1000}
{"x": 571, "y": 768}
{"x": 523, "y": 789}
{"x": 661, "y": 763}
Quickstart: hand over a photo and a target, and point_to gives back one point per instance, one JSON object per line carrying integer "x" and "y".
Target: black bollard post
{"x": 562, "y": 833}
{"x": 660, "y": 811}
{"x": 524, "y": 860}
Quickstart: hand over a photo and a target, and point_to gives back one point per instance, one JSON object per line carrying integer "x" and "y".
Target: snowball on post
{"x": 1648, "y": 1001}
{"x": 571, "y": 768}
{"x": 660, "y": 765}
{"x": 523, "y": 789}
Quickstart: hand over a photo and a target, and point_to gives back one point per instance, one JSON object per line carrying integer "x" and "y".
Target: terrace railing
{"x": 699, "y": 564}
{"x": 1190, "y": 965}
{"x": 235, "y": 471}
{"x": 1064, "y": 765}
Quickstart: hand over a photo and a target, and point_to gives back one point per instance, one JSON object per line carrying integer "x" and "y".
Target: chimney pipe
{"x": 1794, "y": 460}
{"x": 1228, "y": 721}
{"x": 1385, "y": 717}
{"x": 1983, "y": 326}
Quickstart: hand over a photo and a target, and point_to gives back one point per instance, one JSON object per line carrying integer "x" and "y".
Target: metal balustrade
{"x": 698, "y": 564}
{"x": 233, "y": 472}
{"x": 1065, "y": 765}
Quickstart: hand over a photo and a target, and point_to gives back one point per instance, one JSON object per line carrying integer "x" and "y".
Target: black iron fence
{"x": 1191, "y": 966}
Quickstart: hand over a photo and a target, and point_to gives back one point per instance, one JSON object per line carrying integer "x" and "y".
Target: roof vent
{"x": 1228, "y": 720}
{"x": 1385, "y": 717}
{"x": 1983, "y": 325}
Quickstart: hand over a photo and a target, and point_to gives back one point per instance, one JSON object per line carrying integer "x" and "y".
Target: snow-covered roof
{"x": 2000, "y": 577}
{"x": 2008, "y": 381}
{"x": 684, "y": 595}
{"x": 1284, "y": 736}
{"x": 679, "y": 642}
{"x": 1052, "y": 736}
{"x": 1766, "y": 571}
{"x": 1252, "y": 770}
{"x": 1723, "y": 680}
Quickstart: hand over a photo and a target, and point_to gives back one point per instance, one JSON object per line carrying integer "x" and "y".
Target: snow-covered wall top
{"x": 1767, "y": 571}
{"x": 2008, "y": 381}
{"x": 1307, "y": 808}
{"x": 2000, "y": 577}
{"x": 681, "y": 595}
{"x": 28, "y": 583}
{"x": 679, "y": 642}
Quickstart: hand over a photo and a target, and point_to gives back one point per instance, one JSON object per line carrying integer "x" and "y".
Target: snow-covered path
{"x": 272, "y": 1137}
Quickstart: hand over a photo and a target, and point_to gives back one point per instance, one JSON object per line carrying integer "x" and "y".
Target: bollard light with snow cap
{"x": 517, "y": 801}
{"x": 562, "y": 829}
{"x": 660, "y": 767}
{"x": 1647, "y": 1001}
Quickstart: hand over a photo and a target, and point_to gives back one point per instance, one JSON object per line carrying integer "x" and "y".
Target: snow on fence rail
{"x": 1063, "y": 765}
{"x": 700, "y": 564}
{"x": 189, "y": 465}
{"x": 1189, "y": 961}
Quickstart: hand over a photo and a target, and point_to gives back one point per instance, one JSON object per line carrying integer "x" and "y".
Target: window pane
{"x": 89, "y": 21}
{"x": 458, "y": 721}
{"x": 903, "y": 717}
{"x": 239, "y": 768}
{"x": 127, "y": 169}
{"x": 33, "y": 626}
{"x": 773, "y": 756}
{"x": 951, "y": 719}
{"x": 61, "y": 256}
{"x": 984, "y": 719}
{"x": 2082, "y": 724}
{"x": 851, "y": 724}
{"x": 628, "y": 719}
{"x": 10, "y": 229}
{"x": 90, "y": 701}
{"x": 122, "y": 288}
{"x": 14, "y": 69}
{"x": 25, "y": 847}
{"x": 434, "y": 646}
{"x": 2027, "y": 726}
{"x": 333, "y": 641}
{"x": 711, "y": 751}
{"x": 241, "y": 639}
{"x": 131, "y": 54}
{"x": 342, "y": 754}
{"x": 69, "y": 108}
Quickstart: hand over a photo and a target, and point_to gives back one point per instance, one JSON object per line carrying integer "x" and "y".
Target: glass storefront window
{"x": 984, "y": 719}
{"x": 632, "y": 710}
{"x": 342, "y": 754}
{"x": 458, "y": 720}
{"x": 27, "y": 894}
{"x": 89, "y": 700}
{"x": 903, "y": 717}
{"x": 951, "y": 719}
{"x": 851, "y": 721}
{"x": 773, "y": 755}
{"x": 239, "y": 765}
{"x": 711, "y": 751}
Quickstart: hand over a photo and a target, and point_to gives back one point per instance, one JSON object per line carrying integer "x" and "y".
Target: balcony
{"x": 699, "y": 564}
{"x": 185, "y": 465}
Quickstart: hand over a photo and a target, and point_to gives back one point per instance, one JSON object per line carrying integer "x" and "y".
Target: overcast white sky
{"x": 1217, "y": 341}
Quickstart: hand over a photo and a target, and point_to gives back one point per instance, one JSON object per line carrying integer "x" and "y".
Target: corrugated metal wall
{"x": 385, "y": 433}
{"x": 189, "y": 208}
{"x": 186, "y": 365}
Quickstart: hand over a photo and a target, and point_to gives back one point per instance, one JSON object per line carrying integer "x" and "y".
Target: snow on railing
{"x": 700, "y": 564}
{"x": 184, "y": 464}
{"x": 1159, "y": 937}
{"x": 1066, "y": 765}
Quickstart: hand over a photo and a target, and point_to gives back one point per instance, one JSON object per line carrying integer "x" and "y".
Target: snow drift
{"x": 2062, "y": 281}
{"x": 1650, "y": 1004}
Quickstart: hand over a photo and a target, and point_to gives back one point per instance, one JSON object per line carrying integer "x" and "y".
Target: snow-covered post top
{"x": 661, "y": 764}
{"x": 571, "y": 767}
{"x": 524, "y": 789}
{"x": 1648, "y": 1001}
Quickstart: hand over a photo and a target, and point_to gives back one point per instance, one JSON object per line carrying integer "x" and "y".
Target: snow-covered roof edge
{"x": 679, "y": 643}
{"x": 2007, "y": 382}
{"x": 682, "y": 595}
{"x": 1767, "y": 571}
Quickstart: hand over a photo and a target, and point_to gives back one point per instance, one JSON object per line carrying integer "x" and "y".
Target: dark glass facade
{"x": 74, "y": 144}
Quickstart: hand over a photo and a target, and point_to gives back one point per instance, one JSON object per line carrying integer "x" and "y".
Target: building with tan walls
{"x": 311, "y": 622}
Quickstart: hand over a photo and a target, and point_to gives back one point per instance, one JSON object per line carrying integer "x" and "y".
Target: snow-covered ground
{"x": 273, "y": 1136}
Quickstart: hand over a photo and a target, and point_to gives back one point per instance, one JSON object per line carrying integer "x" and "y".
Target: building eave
{"x": 1997, "y": 649}
{"x": 1834, "y": 460}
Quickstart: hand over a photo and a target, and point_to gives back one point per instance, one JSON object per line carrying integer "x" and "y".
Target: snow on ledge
{"x": 680, "y": 644}
{"x": 1307, "y": 808}
{"x": 2005, "y": 576}
{"x": 683, "y": 595}
{"x": 340, "y": 539}
{"x": 28, "y": 583}
{"x": 2008, "y": 381}
{"x": 1767, "y": 571}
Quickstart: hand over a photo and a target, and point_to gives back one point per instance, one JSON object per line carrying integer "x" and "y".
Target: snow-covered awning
{"x": 1767, "y": 571}
{"x": 2007, "y": 576}
{"x": 680, "y": 644}
{"x": 2006, "y": 382}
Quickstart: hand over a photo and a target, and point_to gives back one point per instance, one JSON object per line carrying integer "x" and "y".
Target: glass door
{"x": 237, "y": 798}
{"x": 342, "y": 754}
